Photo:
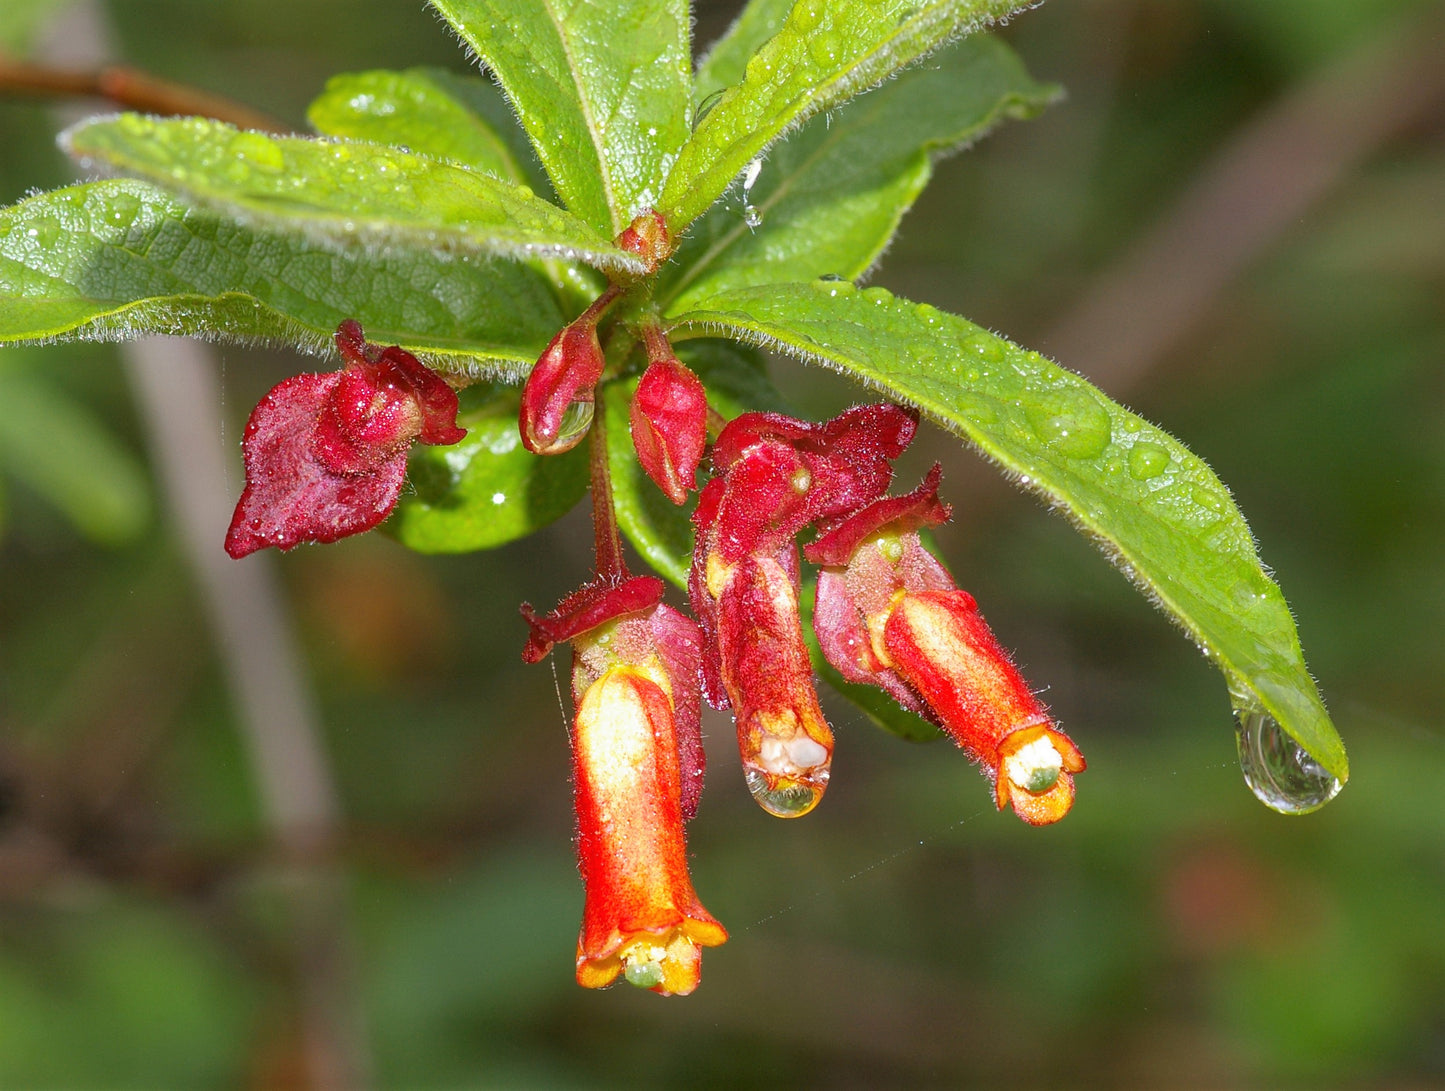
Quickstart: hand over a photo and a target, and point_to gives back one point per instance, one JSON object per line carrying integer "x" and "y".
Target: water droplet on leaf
{"x": 752, "y": 216}
{"x": 1281, "y": 773}
{"x": 1070, "y": 422}
{"x": 1147, "y": 460}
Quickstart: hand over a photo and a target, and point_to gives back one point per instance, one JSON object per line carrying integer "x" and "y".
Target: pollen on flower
{"x": 1035, "y": 767}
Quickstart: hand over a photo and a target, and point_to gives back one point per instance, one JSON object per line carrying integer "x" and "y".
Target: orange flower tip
{"x": 669, "y": 965}
{"x": 1034, "y": 774}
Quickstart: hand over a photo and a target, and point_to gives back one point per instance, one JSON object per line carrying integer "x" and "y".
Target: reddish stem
{"x": 133, "y": 89}
{"x": 610, "y": 564}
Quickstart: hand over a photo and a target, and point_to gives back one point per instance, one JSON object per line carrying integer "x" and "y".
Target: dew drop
{"x": 645, "y": 974}
{"x": 259, "y": 151}
{"x": 1280, "y": 773}
{"x": 823, "y": 48}
{"x": 807, "y": 15}
{"x": 1070, "y": 422}
{"x": 752, "y": 216}
{"x": 575, "y": 422}
{"x": 1147, "y": 460}
{"x": 783, "y": 797}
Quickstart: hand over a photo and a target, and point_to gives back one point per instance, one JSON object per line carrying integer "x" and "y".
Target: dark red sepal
{"x": 893, "y": 514}
{"x": 586, "y": 608}
{"x": 291, "y": 495}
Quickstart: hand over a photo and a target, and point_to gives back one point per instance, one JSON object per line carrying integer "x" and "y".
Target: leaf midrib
{"x": 604, "y": 170}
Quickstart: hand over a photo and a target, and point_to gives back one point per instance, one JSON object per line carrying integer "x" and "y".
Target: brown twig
{"x": 132, "y": 89}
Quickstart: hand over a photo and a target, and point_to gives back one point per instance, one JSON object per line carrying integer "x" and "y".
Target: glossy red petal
{"x": 642, "y": 916}
{"x": 785, "y": 743}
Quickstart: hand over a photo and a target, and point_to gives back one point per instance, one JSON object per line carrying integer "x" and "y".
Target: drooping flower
{"x": 637, "y": 768}
{"x": 774, "y": 476}
{"x": 888, "y": 613}
{"x": 325, "y": 454}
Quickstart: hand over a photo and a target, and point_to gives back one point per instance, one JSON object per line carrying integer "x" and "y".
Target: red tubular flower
{"x": 775, "y": 475}
{"x": 642, "y": 918}
{"x": 888, "y": 613}
{"x": 637, "y": 768}
{"x": 326, "y": 454}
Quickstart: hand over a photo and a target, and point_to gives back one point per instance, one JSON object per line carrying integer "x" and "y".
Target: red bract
{"x": 638, "y": 765}
{"x": 669, "y": 426}
{"x": 325, "y": 454}
{"x": 888, "y": 613}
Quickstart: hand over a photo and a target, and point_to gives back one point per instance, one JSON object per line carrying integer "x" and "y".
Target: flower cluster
{"x": 326, "y": 455}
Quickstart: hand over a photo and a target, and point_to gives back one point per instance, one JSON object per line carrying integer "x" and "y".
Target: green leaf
{"x": 736, "y": 380}
{"x": 461, "y": 118}
{"x": 603, "y": 88}
{"x": 827, "y": 52}
{"x": 111, "y": 260}
{"x": 432, "y": 112}
{"x": 832, "y": 195}
{"x": 1157, "y": 509}
{"x": 486, "y": 490}
{"x": 873, "y": 702}
{"x": 728, "y": 57}
{"x": 350, "y": 196}
{"x": 67, "y": 456}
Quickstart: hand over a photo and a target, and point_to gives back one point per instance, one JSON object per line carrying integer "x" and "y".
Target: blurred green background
{"x": 1170, "y": 933}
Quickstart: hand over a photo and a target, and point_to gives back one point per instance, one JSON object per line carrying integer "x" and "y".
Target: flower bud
{"x": 669, "y": 426}
{"x": 557, "y": 401}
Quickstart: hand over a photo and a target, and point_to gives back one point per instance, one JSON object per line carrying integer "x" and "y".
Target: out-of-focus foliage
{"x": 1170, "y": 933}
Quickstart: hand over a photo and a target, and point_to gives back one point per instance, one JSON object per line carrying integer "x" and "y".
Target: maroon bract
{"x": 325, "y": 454}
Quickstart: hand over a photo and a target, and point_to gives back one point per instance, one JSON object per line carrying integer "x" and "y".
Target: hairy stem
{"x": 610, "y": 564}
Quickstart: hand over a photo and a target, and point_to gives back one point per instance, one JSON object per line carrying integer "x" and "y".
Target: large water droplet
{"x": 1071, "y": 422}
{"x": 1147, "y": 460}
{"x": 784, "y": 797}
{"x": 575, "y": 422}
{"x": 1280, "y": 773}
{"x": 259, "y": 151}
{"x": 752, "y": 216}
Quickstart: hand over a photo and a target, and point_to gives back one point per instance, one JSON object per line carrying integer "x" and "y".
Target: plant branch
{"x": 131, "y": 89}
